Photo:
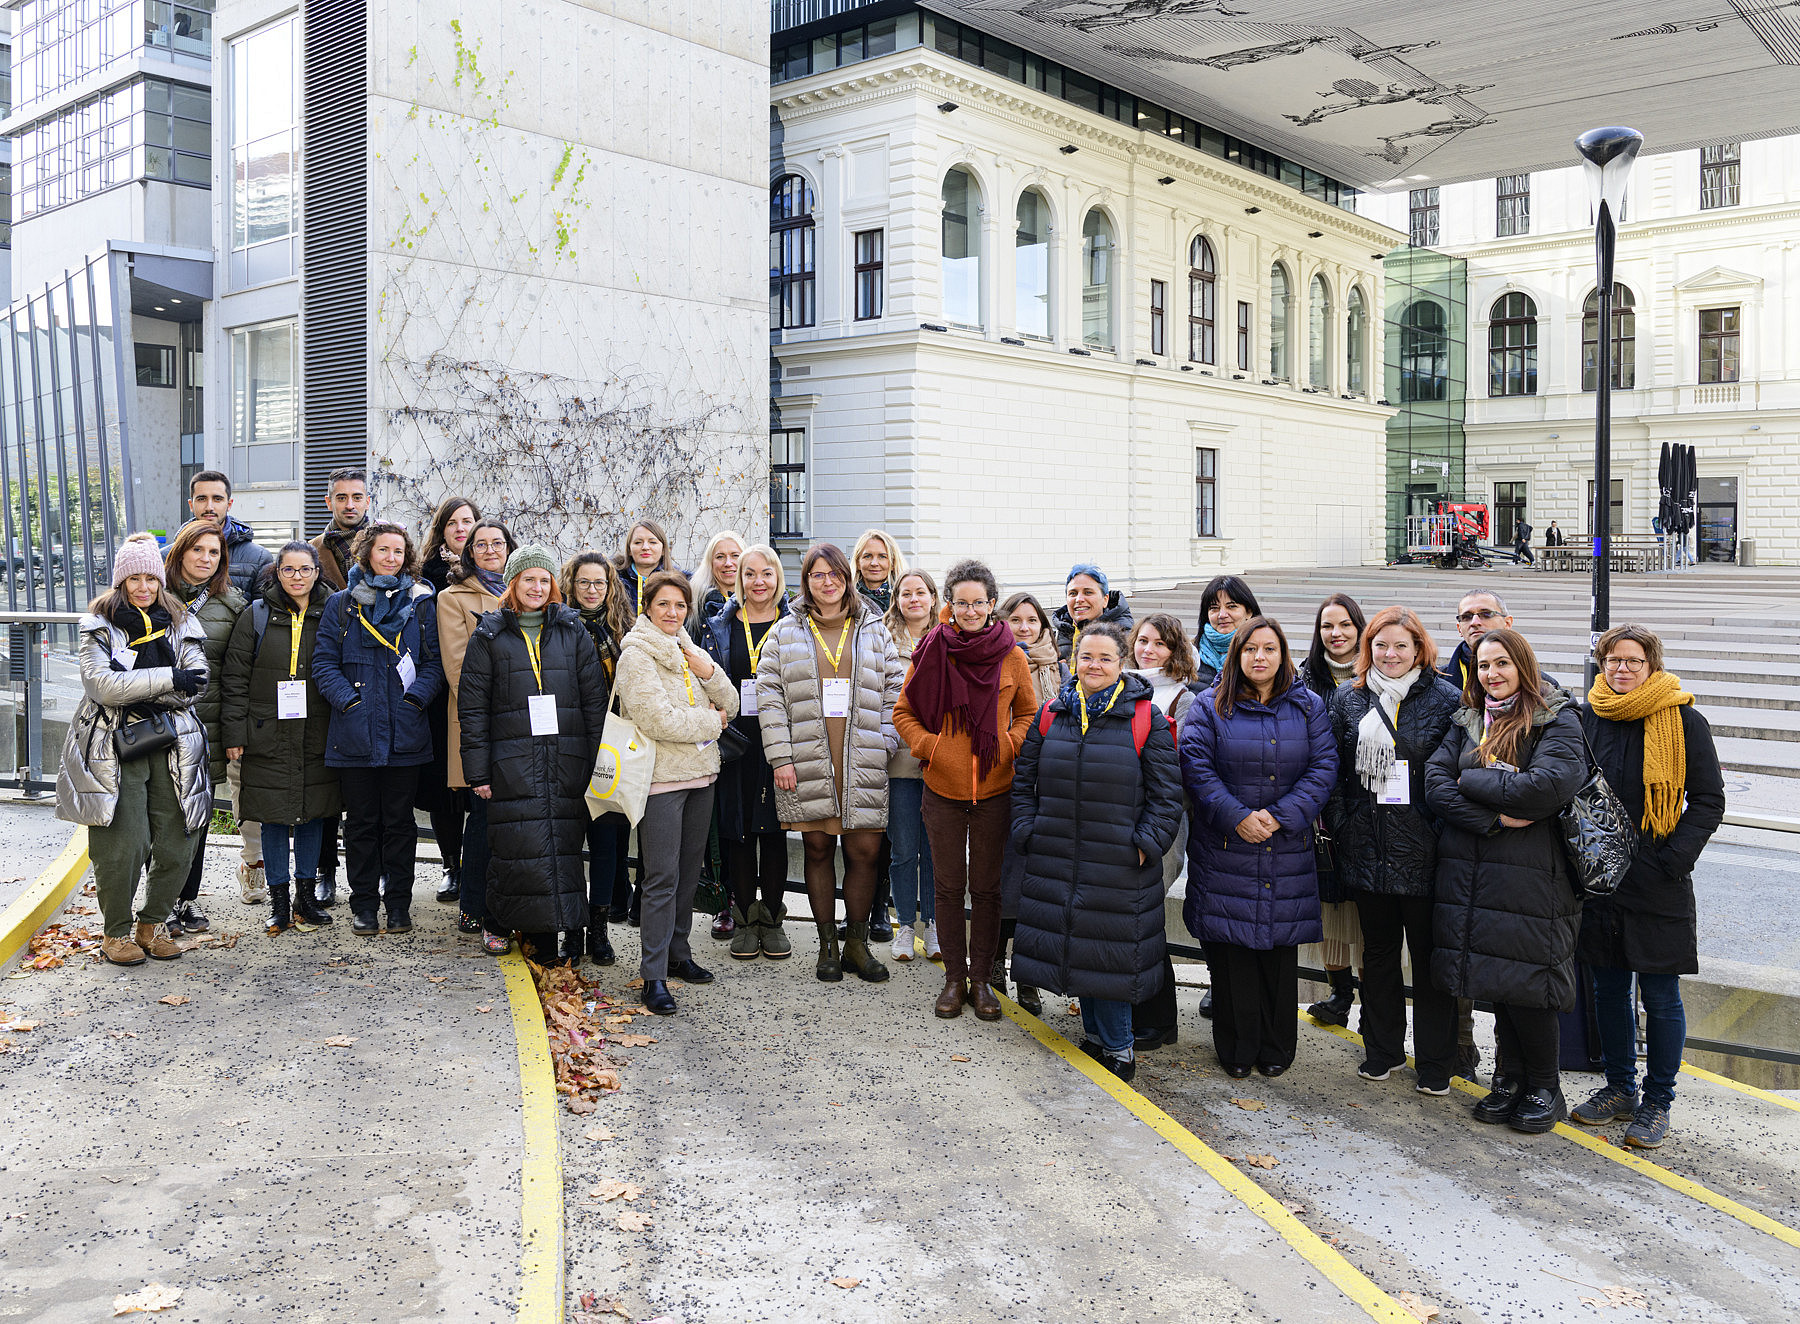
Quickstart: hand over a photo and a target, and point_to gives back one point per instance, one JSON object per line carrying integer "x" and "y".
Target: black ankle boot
{"x": 1335, "y": 1010}
{"x": 306, "y": 902}
{"x": 281, "y": 913}
{"x": 599, "y": 945}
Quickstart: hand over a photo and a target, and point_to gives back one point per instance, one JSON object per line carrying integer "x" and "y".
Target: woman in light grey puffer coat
{"x": 831, "y": 762}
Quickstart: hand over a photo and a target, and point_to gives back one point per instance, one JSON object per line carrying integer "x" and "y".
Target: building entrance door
{"x": 1717, "y": 529}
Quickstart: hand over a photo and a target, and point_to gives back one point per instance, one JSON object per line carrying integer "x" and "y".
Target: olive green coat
{"x": 283, "y": 775}
{"x": 216, "y": 616}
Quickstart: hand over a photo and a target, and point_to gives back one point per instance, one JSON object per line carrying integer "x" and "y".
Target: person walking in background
{"x": 1258, "y": 762}
{"x": 1657, "y": 753}
{"x": 1507, "y": 912}
{"x": 1329, "y": 664}
{"x": 1087, "y": 599}
{"x": 1553, "y": 536}
{"x": 209, "y": 499}
{"x": 347, "y": 497}
{"x": 879, "y": 565}
{"x": 826, "y": 685}
{"x": 966, "y": 706}
{"x": 276, "y": 726}
{"x": 143, "y": 664}
{"x": 532, "y": 706}
{"x": 474, "y": 589}
{"x": 646, "y": 552}
{"x": 682, "y": 701}
{"x": 1096, "y": 803}
{"x": 1522, "y": 543}
{"x": 377, "y": 664}
{"x": 591, "y": 586}
{"x": 1387, "y": 723}
{"x": 447, "y": 805}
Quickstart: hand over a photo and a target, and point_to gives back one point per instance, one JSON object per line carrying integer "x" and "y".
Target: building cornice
{"x": 1724, "y": 218}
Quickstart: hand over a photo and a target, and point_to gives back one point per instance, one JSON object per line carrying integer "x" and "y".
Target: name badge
{"x": 125, "y": 657}
{"x": 837, "y": 698}
{"x": 747, "y": 698}
{"x": 1398, "y": 790}
{"x": 408, "y": 672}
{"x": 290, "y": 699}
{"x": 543, "y": 714}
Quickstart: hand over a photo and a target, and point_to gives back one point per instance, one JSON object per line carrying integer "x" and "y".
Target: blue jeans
{"x": 1665, "y": 1030}
{"x": 307, "y": 839}
{"x": 915, "y": 886}
{"x": 475, "y": 856}
{"x": 1108, "y": 1022}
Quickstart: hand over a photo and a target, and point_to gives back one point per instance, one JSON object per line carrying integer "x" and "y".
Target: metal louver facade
{"x": 334, "y": 272}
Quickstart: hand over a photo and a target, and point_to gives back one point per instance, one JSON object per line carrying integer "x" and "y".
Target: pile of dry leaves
{"x": 580, "y": 1022}
{"x": 58, "y": 943}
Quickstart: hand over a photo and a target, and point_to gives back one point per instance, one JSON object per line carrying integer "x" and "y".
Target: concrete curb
{"x": 21, "y": 920}
{"x": 542, "y": 1250}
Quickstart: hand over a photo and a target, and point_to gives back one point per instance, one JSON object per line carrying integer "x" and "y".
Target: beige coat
{"x": 901, "y": 762}
{"x": 653, "y": 694}
{"x": 459, "y": 609}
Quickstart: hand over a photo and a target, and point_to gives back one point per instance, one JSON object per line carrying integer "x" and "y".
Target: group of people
{"x": 1018, "y": 781}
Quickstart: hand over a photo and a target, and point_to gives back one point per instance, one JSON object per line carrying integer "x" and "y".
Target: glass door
{"x": 1717, "y": 519}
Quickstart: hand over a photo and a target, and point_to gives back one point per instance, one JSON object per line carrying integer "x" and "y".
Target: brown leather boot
{"x": 950, "y": 1001}
{"x": 987, "y": 1006}
{"x": 121, "y": 951}
{"x": 156, "y": 942}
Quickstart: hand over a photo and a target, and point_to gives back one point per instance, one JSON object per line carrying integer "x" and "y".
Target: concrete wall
{"x": 147, "y": 211}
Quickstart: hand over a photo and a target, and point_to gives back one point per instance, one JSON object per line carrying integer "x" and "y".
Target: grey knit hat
{"x": 138, "y": 556}
{"x": 533, "y": 557}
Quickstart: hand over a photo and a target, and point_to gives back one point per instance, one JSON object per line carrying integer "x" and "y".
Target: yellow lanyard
{"x": 1074, "y": 644}
{"x": 843, "y": 635}
{"x": 687, "y": 679}
{"x": 1081, "y": 703}
{"x": 640, "y": 592}
{"x": 537, "y": 661}
{"x": 295, "y": 625}
{"x": 392, "y": 648}
{"x": 150, "y": 630}
{"x": 755, "y": 649}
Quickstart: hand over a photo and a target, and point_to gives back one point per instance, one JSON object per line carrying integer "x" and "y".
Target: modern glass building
{"x": 1427, "y": 294}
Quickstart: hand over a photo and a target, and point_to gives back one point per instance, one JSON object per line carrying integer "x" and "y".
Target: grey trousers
{"x": 672, "y": 845}
{"x": 149, "y": 813}
{"x": 252, "y": 851}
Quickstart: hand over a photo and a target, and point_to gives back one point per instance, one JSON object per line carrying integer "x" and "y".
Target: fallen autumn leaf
{"x": 631, "y": 1220}
{"x": 1260, "y": 1160}
{"x": 153, "y": 1297}
{"x": 1249, "y": 1105}
{"x": 1414, "y": 1305}
{"x": 958, "y": 1057}
{"x": 175, "y": 1000}
{"x": 846, "y": 1283}
{"x": 339, "y": 1041}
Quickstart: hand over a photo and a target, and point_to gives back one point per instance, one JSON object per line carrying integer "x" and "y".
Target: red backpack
{"x": 1140, "y": 722}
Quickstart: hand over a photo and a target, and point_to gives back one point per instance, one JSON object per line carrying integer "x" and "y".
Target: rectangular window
{"x": 1617, "y": 491}
{"x": 1422, "y": 217}
{"x": 870, "y": 245}
{"x": 1718, "y": 345}
{"x": 1206, "y": 492}
{"x": 1719, "y": 178}
{"x": 1243, "y": 338}
{"x": 264, "y": 151}
{"x": 787, "y": 483}
{"x": 155, "y": 365}
{"x": 5, "y": 205}
{"x": 1159, "y": 300}
{"x": 1509, "y": 511}
{"x": 1512, "y": 210}
{"x": 265, "y": 403}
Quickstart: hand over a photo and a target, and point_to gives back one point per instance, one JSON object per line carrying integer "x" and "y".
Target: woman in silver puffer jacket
{"x": 826, "y": 685}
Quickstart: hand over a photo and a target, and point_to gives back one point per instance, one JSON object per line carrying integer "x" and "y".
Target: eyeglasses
{"x": 488, "y": 545}
{"x": 826, "y": 577}
{"x": 1483, "y": 615}
{"x": 297, "y": 571}
{"x": 1631, "y": 664}
{"x": 595, "y": 584}
{"x": 981, "y": 605}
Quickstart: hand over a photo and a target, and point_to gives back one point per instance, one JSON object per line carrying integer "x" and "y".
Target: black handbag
{"x": 1598, "y": 833}
{"x": 145, "y": 736}
{"x": 732, "y": 744}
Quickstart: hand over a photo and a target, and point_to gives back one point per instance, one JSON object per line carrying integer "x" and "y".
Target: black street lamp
{"x": 1608, "y": 154}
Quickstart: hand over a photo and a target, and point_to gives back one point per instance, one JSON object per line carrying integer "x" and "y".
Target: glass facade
{"x": 1425, "y": 317}
{"x": 61, "y": 42}
{"x": 149, "y": 129}
{"x": 265, "y": 145}
{"x": 265, "y": 403}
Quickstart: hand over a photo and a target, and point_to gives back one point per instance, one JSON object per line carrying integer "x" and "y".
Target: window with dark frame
{"x": 155, "y": 364}
{"x": 1159, "y": 301}
{"x": 1422, "y": 217}
{"x": 1206, "y": 492}
{"x": 1243, "y": 337}
{"x": 1718, "y": 345}
{"x": 1624, "y": 340}
{"x": 787, "y": 483}
{"x": 1424, "y": 351}
{"x": 1512, "y": 208}
{"x": 1719, "y": 175}
{"x": 1616, "y": 506}
{"x": 792, "y": 254}
{"x": 1203, "y": 293}
{"x": 1512, "y": 346}
{"x": 870, "y": 246}
{"x": 1509, "y": 512}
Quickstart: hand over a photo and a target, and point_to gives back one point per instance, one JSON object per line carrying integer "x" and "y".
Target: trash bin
{"x": 1746, "y": 551}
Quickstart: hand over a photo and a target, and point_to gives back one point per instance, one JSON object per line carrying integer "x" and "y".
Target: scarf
{"x": 1046, "y": 667}
{"x": 337, "y": 541}
{"x": 957, "y": 675}
{"x": 1374, "y": 742}
{"x": 157, "y": 652}
{"x": 492, "y": 580}
{"x": 1213, "y": 646}
{"x": 882, "y": 597}
{"x": 1654, "y": 703}
{"x": 193, "y": 595}
{"x": 1163, "y": 687}
{"x": 386, "y": 600}
{"x": 449, "y": 558}
{"x": 1072, "y": 698}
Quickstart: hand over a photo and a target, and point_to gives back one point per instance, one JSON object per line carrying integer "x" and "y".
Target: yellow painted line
{"x": 541, "y": 1256}
{"x": 1343, "y": 1275}
{"x": 21, "y": 920}
{"x": 1740, "y": 1087}
{"x": 1620, "y": 1155}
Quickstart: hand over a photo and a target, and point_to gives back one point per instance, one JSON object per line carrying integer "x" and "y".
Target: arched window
{"x": 1624, "y": 340}
{"x": 1318, "y": 333}
{"x": 792, "y": 298}
{"x": 1512, "y": 346}
{"x": 1280, "y": 301}
{"x": 1424, "y": 351}
{"x": 1356, "y": 342}
{"x": 1097, "y": 280}
{"x": 1203, "y": 302}
{"x": 1031, "y": 265}
{"x": 962, "y": 249}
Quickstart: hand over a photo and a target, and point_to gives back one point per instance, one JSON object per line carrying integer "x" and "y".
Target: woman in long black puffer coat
{"x": 1507, "y": 912}
{"x": 532, "y": 760}
{"x": 1093, "y": 815}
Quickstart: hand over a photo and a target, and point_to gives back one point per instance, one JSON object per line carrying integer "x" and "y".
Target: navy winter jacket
{"x": 374, "y": 724}
{"x": 247, "y": 561}
{"x": 1277, "y": 756}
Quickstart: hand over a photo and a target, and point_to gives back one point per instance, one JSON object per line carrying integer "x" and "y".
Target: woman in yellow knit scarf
{"x": 1654, "y": 700}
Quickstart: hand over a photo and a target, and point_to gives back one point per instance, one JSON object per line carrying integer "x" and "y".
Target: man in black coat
{"x": 209, "y": 498}
{"x": 1522, "y": 544}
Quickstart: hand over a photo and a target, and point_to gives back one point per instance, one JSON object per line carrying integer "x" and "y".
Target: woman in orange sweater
{"x": 966, "y": 706}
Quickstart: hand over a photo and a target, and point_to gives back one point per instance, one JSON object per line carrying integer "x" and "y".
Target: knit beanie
{"x": 1091, "y": 570}
{"x": 138, "y": 556}
{"x": 533, "y": 557}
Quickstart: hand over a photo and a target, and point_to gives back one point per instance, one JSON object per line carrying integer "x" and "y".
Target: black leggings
{"x": 447, "y": 829}
{"x": 861, "y": 849}
{"x": 769, "y": 849}
{"x": 1530, "y": 1042}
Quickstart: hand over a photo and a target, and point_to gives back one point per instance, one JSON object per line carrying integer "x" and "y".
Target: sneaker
{"x": 902, "y": 950}
{"x": 253, "y": 885}
{"x": 1606, "y": 1104}
{"x": 933, "y": 952}
{"x": 1374, "y": 1071}
{"x": 188, "y": 916}
{"x": 1649, "y": 1124}
{"x": 1436, "y": 1088}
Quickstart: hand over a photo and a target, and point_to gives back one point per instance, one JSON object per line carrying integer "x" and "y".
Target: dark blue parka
{"x": 374, "y": 724}
{"x": 1091, "y": 913}
{"x": 1277, "y": 756}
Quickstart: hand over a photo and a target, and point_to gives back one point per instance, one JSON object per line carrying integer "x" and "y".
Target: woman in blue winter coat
{"x": 1094, "y": 809}
{"x": 1259, "y": 762}
{"x": 377, "y": 664}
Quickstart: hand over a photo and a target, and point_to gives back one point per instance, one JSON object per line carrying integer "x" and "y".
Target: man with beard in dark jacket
{"x": 209, "y": 498}
{"x": 347, "y": 495}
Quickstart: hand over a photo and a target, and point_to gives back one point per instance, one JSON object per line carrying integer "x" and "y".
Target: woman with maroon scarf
{"x": 964, "y": 712}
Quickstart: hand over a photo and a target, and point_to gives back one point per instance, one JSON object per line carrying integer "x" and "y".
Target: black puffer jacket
{"x": 285, "y": 779}
{"x": 537, "y": 821}
{"x": 1117, "y": 610}
{"x": 1507, "y": 914}
{"x": 1091, "y": 913}
{"x": 1387, "y": 849}
{"x": 1648, "y": 925}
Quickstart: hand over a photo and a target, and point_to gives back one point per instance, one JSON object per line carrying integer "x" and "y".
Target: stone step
{"x": 1773, "y": 758}
{"x": 1770, "y": 724}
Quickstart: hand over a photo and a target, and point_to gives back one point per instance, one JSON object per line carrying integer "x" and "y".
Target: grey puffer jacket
{"x": 792, "y": 708}
{"x": 87, "y": 786}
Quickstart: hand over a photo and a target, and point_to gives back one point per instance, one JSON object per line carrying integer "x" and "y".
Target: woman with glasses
{"x": 447, "y": 805}
{"x": 1657, "y": 753}
{"x": 1087, "y": 599}
{"x": 591, "y": 586}
{"x": 825, "y": 690}
{"x": 967, "y": 705}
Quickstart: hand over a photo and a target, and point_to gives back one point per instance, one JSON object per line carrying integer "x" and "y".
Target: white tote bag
{"x": 621, "y": 780}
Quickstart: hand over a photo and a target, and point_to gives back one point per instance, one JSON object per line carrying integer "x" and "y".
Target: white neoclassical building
{"x": 1706, "y": 338}
{"x": 1021, "y": 313}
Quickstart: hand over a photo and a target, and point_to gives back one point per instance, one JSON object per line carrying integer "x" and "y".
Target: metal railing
{"x": 24, "y": 700}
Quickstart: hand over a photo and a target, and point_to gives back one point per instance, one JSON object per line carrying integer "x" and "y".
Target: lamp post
{"x": 1608, "y": 155}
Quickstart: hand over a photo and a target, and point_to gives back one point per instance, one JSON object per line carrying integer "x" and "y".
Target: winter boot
{"x": 775, "y": 944}
{"x": 281, "y": 913}
{"x": 859, "y": 958}
{"x": 1335, "y": 1010}
{"x": 599, "y": 945}
{"x": 830, "y": 968}
{"x": 306, "y": 903}
{"x": 881, "y": 928}
{"x": 156, "y": 942}
{"x": 746, "y": 937}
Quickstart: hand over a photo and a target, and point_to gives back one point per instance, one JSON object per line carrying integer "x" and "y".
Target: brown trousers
{"x": 967, "y": 842}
